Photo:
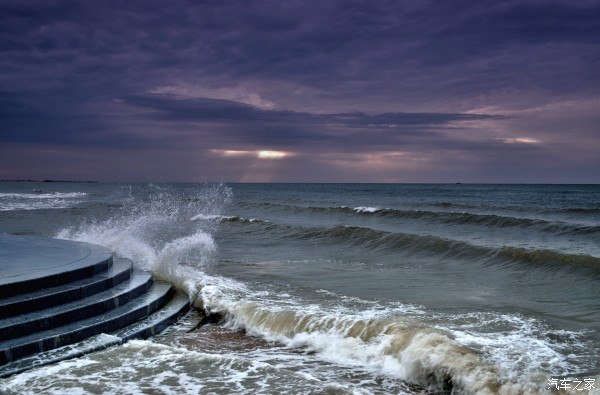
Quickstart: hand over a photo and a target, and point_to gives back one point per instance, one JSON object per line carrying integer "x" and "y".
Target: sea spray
{"x": 154, "y": 230}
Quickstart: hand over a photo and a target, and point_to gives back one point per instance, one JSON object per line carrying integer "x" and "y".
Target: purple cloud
{"x": 362, "y": 91}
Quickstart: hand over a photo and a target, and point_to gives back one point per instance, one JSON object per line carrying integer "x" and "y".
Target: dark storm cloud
{"x": 288, "y": 129}
{"x": 332, "y": 44}
{"x": 225, "y": 110}
{"x": 242, "y": 122}
{"x": 328, "y": 77}
{"x": 23, "y": 122}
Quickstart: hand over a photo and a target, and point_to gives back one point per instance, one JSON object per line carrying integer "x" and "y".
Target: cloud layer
{"x": 390, "y": 91}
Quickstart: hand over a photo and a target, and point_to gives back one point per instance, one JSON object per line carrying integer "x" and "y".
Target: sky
{"x": 301, "y": 91}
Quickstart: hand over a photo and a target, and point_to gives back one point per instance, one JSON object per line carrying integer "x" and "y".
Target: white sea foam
{"x": 366, "y": 209}
{"x": 142, "y": 366}
{"x": 380, "y": 340}
{"x": 209, "y": 217}
{"x": 218, "y": 217}
{"x": 524, "y": 346}
{"x": 51, "y": 195}
{"x": 39, "y": 201}
{"x": 38, "y": 205}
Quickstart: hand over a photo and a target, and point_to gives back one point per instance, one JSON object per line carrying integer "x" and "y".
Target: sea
{"x": 339, "y": 288}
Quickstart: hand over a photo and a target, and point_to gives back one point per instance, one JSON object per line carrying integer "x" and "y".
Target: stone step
{"x": 91, "y": 344}
{"x": 78, "y": 310}
{"x": 157, "y": 322}
{"x": 110, "y": 321}
{"x": 153, "y": 324}
{"x": 49, "y": 297}
{"x": 31, "y": 263}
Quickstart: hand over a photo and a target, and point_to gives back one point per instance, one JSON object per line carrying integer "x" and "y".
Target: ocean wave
{"x": 455, "y": 205}
{"x": 524, "y": 344}
{"x": 39, "y": 201}
{"x": 50, "y": 195}
{"x": 428, "y": 245}
{"x": 366, "y": 209}
{"x": 382, "y": 340}
{"x": 225, "y": 218}
{"x": 580, "y": 210}
{"x": 46, "y": 204}
{"x": 489, "y": 220}
{"x": 448, "y": 217}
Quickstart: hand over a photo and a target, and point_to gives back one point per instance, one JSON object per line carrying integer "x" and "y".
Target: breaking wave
{"x": 390, "y": 342}
{"x": 225, "y": 218}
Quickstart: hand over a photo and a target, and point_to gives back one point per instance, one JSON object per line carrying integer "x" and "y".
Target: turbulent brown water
{"x": 337, "y": 288}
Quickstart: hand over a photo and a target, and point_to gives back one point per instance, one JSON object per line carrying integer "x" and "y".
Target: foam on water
{"x": 522, "y": 345}
{"x": 52, "y": 195}
{"x": 394, "y": 341}
{"x": 165, "y": 369}
{"x": 366, "y": 209}
{"x": 200, "y": 217}
{"x": 37, "y": 201}
{"x": 224, "y": 218}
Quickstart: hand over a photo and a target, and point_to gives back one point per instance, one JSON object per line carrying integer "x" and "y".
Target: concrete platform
{"x": 28, "y": 262}
{"x": 55, "y": 293}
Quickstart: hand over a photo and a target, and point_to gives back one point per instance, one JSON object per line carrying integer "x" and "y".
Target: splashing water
{"x": 154, "y": 230}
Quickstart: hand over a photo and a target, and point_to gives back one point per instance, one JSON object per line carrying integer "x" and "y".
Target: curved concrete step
{"x": 151, "y": 325}
{"x": 157, "y": 322}
{"x": 78, "y": 310}
{"x": 31, "y": 262}
{"x": 49, "y": 297}
{"x": 110, "y": 321}
{"x": 91, "y": 344}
